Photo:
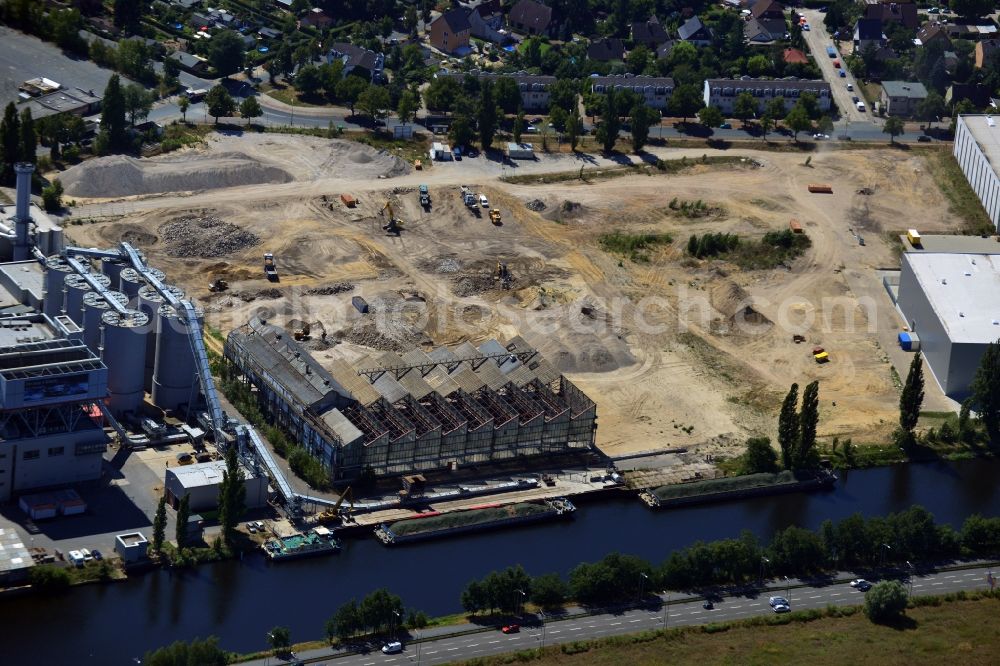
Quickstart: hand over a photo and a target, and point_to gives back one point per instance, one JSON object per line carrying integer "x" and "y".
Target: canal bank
{"x": 112, "y": 624}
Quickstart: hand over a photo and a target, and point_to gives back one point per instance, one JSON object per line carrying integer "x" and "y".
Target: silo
{"x": 131, "y": 281}
{"x": 124, "y": 342}
{"x": 76, "y": 287}
{"x": 174, "y": 376}
{"x": 94, "y": 307}
{"x": 114, "y": 269}
{"x": 149, "y": 302}
{"x": 56, "y": 270}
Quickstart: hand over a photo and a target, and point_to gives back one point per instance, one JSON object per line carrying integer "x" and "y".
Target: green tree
{"x": 805, "y": 451}
{"x": 507, "y": 94}
{"x": 220, "y": 103}
{"x": 201, "y": 652}
{"x": 549, "y": 590}
{"x": 232, "y": 494}
{"x": 642, "y": 118}
{"x": 460, "y": 133}
{"x": 183, "y": 103}
{"x": 345, "y": 623}
{"x": 710, "y": 116}
{"x": 686, "y": 101}
{"x": 134, "y": 58}
{"x": 886, "y": 601}
{"x": 766, "y": 124}
{"x": 519, "y": 125}
{"x": 912, "y": 396}
{"x": 127, "y": 15}
{"x": 760, "y": 456}
{"x": 10, "y": 141}
{"x": 788, "y": 427}
{"x": 52, "y": 196}
{"x": 487, "y": 115}
{"x": 893, "y": 127}
{"x": 932, "y": 107}
{"x": 66, "y": 25}
{"x": 183, "y": 514}
{"x": 442, "y": 93}
{"x": 573, "y": 128}
{"x": 775, "y": 108}
{"x": 374, "y": 102}
{"x": 798, "y": 121}
{"x": 474, "y": 597}
{"x": 985, "y": 389}
{"x": 611, "y": 124}
{"x": 410, "y": 20}
{"x": 160, "y": 525}
{"x": 29, "y": 138}
{"x": 48, "y": 577}
{"x": 113, "y": 114}
{"x": 745, "y": 107}
{"x": 225, "y": 52}
{"x": 409, "y": 103}
{"x": 250, "y": 109}
{"x": 349, "y": 89}
{"x": 138, "y": 102}
{"x": 308, "y": 80}
{"x": 279, "y": 638}
{"x": 972, "y": 8}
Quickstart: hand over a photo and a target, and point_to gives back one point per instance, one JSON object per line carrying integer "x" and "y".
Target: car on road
{"x": 805, "y": 27}
{"x": 855, "y": 99}
{"x": 97, "y": 555}
{"x": 842, "y": 73}
{"x": 726, "y": 126}
{"x": 483, "y": 201}
{"x": 777, "y": 601}
{"x": 819, "y": 137}
{"x": 861, "y": 584}
{"x": 511, "y": 628}
{"x": 708, "y": 605}
{"x": 836, "y": 63}
{"x": 782, "y": 608}
{"x": 860, "y": 106}
{"x": 923, "y": 138}
{"x": 393, "y": 647}
{"x": 535, "y": 121}
{"x": 531, "y": 129}
{"x": 850, "y": 87}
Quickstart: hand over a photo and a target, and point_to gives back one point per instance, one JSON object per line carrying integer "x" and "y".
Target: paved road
{"x": 818, "y": 39}
{"x": 680, "y": 612}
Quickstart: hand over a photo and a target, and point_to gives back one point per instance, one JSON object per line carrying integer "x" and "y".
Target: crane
{"x": 394, "y": 225}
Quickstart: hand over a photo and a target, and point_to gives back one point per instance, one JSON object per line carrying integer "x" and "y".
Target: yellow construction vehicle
{"x": 495, "y": 216}
{"x": 335, "y": 513}
{"x": 394, "y": 225}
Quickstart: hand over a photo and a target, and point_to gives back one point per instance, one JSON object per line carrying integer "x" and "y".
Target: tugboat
{"x": 317, "y": 541}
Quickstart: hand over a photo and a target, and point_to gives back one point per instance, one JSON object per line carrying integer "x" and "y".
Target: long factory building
{"x": 418, "y": 411}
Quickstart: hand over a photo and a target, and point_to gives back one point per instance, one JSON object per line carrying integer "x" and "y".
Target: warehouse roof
{"x": 14, "y": 556}
{"x": 986, "y": 133}
{"x": 202, "y": 474}
{"x": 964, "y": 290}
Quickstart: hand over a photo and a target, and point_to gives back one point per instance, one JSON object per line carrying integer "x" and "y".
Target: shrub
{"x": 886, "y": 601}
{"x": 49, "y": 577}
{"x": 52, "y": 197}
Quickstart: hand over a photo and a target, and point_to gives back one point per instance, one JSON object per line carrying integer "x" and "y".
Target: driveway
{"x": 818, "y": 39}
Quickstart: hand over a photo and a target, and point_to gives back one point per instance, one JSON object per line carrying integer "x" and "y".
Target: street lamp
{"x": 788, "y": 587}
{"x": 885, "y": 547}
{"x": 541, "y": 614}
{"x": 910, "y": 566}
{"x": 642, "y": 584}
{"x": 523, "y": 596}
{"x": 763, "y": 561}
{"x": 398, "y": 617}
{"x": 666, "y": 612}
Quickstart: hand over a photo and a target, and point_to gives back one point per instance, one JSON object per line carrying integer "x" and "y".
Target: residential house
{"x": 765, "y": 30}
{"x": 903, "y": 12}
{"x": 317, "y": 18}
{"x": 932, "y": 33}
{"x": 722, "y": 93}
{"x": 269, "y": 33}
{"x": 664, "y": 49}
{"x": 284, "y": 4}
{"x": 970, "y": 31}
{"x": 186, "y": 4}
{"x": 976, "y": 93}
{"x": 951, "y": 61}
{"x": 768, "y": 9}
{"x": 192, "y": 63}
{"x": 794, "y": 57}
{"x": 649, "y": 33}
{"x": 695, "y": 32}
{"x": 868, "y": 33}
{"x": 450, "y": 32}
{"x": 534, "y": 89}
{"x": 199, "y": 21}
{"x": 901, "y": 98}
{"x": 655, "y": 90}
{"x": 486, "y": 21}
{"x": 606, "y": 50}
{"x": 985, "y": 52}
{"x": 359, "y": 61}
{"x": 530, "y": 18}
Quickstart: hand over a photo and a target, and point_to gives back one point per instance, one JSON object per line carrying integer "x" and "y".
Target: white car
{"x": 483, "y": 201}
{"x": 395, "y": 647}
{"x": 782, "y": 608}
{"x": 76, "y": 557}
{"x": 87, "y": 556}
{"x": 819, "y": 136}
{"x": 850, "y": 86}
{"x": 777, "y": 601}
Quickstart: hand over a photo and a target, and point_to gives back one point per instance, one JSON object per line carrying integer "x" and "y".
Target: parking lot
{"x": 24, "y": 57}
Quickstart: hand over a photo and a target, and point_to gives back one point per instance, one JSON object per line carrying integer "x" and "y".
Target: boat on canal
{"x": 317, "y": 541}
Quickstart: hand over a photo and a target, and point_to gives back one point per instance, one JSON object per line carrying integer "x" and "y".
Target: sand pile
{"x": 205, "y": 235}
{"x": 736, "y": 305}
{"x": 122, "y": 176}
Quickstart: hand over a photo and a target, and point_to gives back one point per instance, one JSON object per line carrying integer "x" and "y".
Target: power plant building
{"x": 419, "y": 411}
{"x": 977, "y": 149}
{"x": 951, "y": 301}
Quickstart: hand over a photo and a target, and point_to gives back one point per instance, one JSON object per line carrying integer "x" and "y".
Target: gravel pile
{"x": 205, "y": 235}
{"x": 330, "y": 289}
{"x": 470, "y": 285}
{"x": 122, "y": 176}
{"x": 535, "y": 205}
{"x": 392, "y": 336}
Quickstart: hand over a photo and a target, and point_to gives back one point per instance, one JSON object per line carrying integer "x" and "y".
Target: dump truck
{"x": 822, "y": 357}
{"x": 468, "y": 198}
{"x": 913, "y": 236}
{"x": 495, "y": 216}
{"x": 425, "y": 197}
{"x": 270, "y": 272}
{"x": 218, "y": 285}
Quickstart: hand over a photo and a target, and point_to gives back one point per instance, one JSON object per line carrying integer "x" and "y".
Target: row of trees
{"x": 797, "y": 428}
{"x": 380, "y": 612}
{"x": 18, "y": 141}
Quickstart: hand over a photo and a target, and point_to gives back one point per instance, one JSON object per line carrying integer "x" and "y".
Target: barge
{"x": 754, "y": 485}
{"x": 434, "y": 524}
{"x": 317, "y": 541}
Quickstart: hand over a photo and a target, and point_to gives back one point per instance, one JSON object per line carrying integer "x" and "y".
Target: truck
{"x": 270, "y": 272}
{"x": 425, "y": 197}
{"x": 832, "y": 52}
{"x": 468, "y": 198}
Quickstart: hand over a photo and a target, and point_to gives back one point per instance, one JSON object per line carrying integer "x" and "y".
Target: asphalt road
{"x": 818, "y": 39}
{"x": 682, "y": 612}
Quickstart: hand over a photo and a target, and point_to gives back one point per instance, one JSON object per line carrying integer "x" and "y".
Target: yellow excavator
{"x": 495, "y": 216}
{"x": 394, "y": 225}
{"x": 333, "y": 514}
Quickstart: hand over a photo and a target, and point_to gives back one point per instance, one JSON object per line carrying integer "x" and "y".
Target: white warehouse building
{"x": 202, "y": 482}
{"x": 952, "y": 302}
{"x": 977, "y": 149}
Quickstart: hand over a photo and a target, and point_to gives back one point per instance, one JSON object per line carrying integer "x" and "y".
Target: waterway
{"x": 240, "y": 601}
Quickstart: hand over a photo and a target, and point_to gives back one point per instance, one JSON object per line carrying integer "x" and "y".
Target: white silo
{"x": 174, "y": 376}
{"x": 76, "y": 287}
{"x": 56, "y": 270}
{"x": 124, "y": 347}
{"x": 94, "y": 307}
{"x": 149, "y": 302}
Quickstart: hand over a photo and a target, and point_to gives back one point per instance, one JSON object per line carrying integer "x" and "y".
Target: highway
{"x": 438, "y": 647}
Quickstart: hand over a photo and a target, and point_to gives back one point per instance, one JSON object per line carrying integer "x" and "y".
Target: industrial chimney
{"x": 22, "y": 218}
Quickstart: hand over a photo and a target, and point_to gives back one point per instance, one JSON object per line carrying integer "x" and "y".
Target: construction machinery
{"x": 303, "y": 332}
{"x": 270, "y": 272}
{"x": 394, "y": 225}
{"x": 503, "y": 274}
{"x": 468, "y": 198}
{"x": 425, "y": 197}
{"x": 218, "y": 285}
{"x": 495, "y": 216}
{"x": 335, "y": 512}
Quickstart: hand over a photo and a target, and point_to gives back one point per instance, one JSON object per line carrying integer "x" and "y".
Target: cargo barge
{"x": 704, "y": 492}
{"x": 317, "y": 541}
{"x": 434, "y": 525}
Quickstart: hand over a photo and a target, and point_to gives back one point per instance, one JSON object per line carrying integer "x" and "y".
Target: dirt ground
{"x": 675, "y": 351}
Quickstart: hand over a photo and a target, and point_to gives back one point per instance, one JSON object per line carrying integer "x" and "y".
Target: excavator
{"x": 218, "y": 285}
{"x": 303, "y": 332}
{"x": 335, "y": 513}
{"x": 503, "y": 274}
{"x": 394, "y": 225}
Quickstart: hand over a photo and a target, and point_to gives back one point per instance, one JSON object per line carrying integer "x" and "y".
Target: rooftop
{"x": 202, "y": 474}
{"x": 986, "y": 133}
{"x": 964, "y": 290}
{"x": 954, "y": 244}
{"x": 911, "y": 89}
{"x": 14, "y": 556}
{"x": 18, "y": 279}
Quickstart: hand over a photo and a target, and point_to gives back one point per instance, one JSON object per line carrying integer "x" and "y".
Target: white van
{"x": 76, "y": 557}
{"x": 861, "y": 106}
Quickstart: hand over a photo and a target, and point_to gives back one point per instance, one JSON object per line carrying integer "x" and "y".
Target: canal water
{"x": 240, "y": 602}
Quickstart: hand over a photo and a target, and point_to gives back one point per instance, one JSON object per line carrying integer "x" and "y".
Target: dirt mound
{"x": 736, "y": 306}
{"x": 567, "y": 210}
{"x": 330, "y": 289}
{"x": 535, "y": 205}
{"x": 360, "y": 157}
{"x": 121, "y": 176}
{"x": 205, "y": 235}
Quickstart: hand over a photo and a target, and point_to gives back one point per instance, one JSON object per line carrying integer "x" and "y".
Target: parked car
{"x": 782, "y": 608}
{"x": 726, "y": 126}
{"x": 531, "y": 129}
{"x": 76, "y": 557}
{"x": 923, "y": 138}
{"x": 861, "y": 584}
{"x": 393, "y": 647}
{"x": 777, "y": 601}
{"x": 511, "y": 628}
{"x": 483, "y": 201}
{"x": 855, "y": 99}
{"x": 536, "y": 121}
{"x": 805, "y": 27}
{"x": 251, "y": 528}
{"x": 97, "y": 555}
{"x": 87, "y": 555}
{"x": 819, "y": 136}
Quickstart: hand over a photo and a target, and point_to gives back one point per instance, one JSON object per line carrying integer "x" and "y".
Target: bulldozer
{"x": 218, "y": 285}
{"x": 495, "y": 216}
{"x": 394, "y": 225}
